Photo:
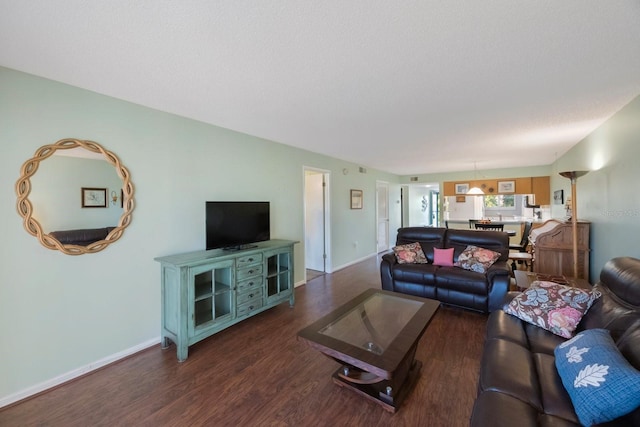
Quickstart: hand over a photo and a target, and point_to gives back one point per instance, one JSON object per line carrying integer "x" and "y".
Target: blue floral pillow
{"x": 602, "y": 384}
{"x": 551, "y": 306}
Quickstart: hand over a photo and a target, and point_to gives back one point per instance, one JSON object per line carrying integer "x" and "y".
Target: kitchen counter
{"x": 510, "y": 224}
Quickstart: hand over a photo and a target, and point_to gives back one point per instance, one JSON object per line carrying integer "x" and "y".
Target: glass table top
{"x": 374, "y": 323}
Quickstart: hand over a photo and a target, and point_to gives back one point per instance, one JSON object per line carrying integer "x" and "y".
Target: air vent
{"x": 413, "y": 179}
{"x": 362, "y": 170}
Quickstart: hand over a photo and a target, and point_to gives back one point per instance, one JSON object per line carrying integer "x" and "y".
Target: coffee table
{"x": 374, "y": 336}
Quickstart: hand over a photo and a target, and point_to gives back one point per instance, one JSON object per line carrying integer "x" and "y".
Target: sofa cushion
{"x": 457, "y": 279}
{"x": 443, "y": 257}
{"x": 509, "y": 368}
{"x": 477, "y": 259}
{"x": 428, "y": 237}
{"x": 410, "y": 253}
{"x": 415, "y": 273}
{"x": 556, "y": 308}
{"x": 601, "y": 383}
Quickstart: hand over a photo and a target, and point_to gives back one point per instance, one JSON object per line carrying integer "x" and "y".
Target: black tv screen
{"x": 236, "y": 224}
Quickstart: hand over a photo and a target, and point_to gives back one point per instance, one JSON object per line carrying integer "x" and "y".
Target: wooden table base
{"x": 377, "y": 391}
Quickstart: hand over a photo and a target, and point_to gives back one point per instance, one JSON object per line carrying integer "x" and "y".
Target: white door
{"x": 382, "y": 215}
{"x": 316, "y": 217}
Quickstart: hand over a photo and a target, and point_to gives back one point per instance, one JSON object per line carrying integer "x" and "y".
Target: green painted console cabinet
{"x": 205, "y": 292}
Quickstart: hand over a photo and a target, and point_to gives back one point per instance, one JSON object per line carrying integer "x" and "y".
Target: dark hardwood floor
{"x": 257, "y": 373}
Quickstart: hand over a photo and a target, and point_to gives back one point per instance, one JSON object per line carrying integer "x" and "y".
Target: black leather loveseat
{"x": 519, "y": 381}
{"x": 81, "y": 237}
{"x": 482, "y": 292}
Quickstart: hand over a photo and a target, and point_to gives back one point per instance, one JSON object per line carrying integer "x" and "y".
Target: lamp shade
{"x": 475, "y": 191}
{"x": 573, "y": 174}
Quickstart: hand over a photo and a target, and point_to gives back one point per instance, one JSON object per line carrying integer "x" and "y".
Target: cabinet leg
{"x": 183, "y": 352}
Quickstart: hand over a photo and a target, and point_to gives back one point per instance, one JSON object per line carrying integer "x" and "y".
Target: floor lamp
{"x": 573, "y": 176}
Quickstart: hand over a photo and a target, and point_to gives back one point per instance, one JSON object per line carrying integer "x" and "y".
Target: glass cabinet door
{"x": 211, "y": 298}
{"x": 279, "y": 277}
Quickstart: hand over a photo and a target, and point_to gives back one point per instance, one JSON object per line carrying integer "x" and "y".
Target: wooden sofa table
{"x": 525, "y": 278}
{"x": 375, "y": 337}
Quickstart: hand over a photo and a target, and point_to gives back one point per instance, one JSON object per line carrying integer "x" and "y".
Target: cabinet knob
{"x": 250, "y": 259}
{"x": 250, "y": 295}
{"x": 250, "y": 271}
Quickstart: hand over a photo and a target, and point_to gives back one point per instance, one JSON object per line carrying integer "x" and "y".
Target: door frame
{"x": 327, "y": 215}
{"x": 384, "y": 184}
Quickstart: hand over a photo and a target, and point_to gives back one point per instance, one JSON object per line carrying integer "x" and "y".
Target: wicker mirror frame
{"x": 25, "y": 207}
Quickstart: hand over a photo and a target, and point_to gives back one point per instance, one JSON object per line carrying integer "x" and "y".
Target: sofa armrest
{"x": 499, "y": 279}
{"x": 386, "y": 265}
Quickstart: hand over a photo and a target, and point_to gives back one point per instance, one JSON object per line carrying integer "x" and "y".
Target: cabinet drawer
{"x": 246, "y": 260}
{"x": 250, "y": 271}
{"x": 255, "y": 295}
{"x": 247, "y": 308}
{"x": 250, "y": 284}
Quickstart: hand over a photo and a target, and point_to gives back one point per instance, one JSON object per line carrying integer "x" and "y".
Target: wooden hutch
{"x": 552, "y": 244}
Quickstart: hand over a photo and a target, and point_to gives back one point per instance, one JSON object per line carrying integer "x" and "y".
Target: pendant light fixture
{"x": 475, "y": 191}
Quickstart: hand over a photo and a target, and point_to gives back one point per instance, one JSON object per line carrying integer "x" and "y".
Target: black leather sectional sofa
{"x": 519, "y": 383}
{"x": 484, "y": 292}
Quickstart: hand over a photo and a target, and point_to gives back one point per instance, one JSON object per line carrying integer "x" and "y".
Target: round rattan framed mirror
{"x": 26, "y": 209}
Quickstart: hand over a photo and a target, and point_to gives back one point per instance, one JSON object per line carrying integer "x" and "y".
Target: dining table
{"x": 479, "y": 225}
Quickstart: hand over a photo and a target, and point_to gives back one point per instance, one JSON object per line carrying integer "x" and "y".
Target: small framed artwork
{"x": 506, "y": 186}
{"x": 461, "y": 199}
{"x": 356, "y": 199}
{"x": 94, "y": 197}
{"x": 462, "y": 188}
{"x": 558, "y": 197}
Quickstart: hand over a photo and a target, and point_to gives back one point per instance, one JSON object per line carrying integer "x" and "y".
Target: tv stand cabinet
{"x": 205, "y": 292}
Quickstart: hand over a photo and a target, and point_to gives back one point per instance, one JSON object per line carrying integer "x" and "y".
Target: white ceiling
{"x": 402, "y": 86}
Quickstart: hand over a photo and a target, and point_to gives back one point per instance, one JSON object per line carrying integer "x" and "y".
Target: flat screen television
{"x": 236, "y": 225}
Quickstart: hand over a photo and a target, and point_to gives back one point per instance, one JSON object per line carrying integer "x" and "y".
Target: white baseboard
{"x": 53, "y": 382}
{"x": 340, "y": 267}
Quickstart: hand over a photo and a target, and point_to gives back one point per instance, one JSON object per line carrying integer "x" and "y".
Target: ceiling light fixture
{"x": 475, "y": 191}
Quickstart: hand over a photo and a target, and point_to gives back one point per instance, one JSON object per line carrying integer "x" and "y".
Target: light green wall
{"x": 608, "y": 195}
{"x": 479, "y": 174}
{"x": 61, "y": 313}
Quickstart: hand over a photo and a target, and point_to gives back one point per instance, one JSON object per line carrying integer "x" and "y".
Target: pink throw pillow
{"x": 443, "y": 257}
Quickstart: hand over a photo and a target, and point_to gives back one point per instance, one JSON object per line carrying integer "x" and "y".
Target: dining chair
{"x": 491, "y": 227}
{"x": 524, "y": 241}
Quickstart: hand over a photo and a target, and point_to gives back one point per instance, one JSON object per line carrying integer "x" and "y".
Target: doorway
{"x": 316, "y": 222}
{"x": 420, "y": 205}
{"x": 382, "y": 215}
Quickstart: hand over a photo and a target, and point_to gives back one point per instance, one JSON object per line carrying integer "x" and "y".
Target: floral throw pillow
{"x": 410, "y": 253}
{"x": 477, "y": 259}
{"x": 601, "y": 383}
{"x": 551, "y": 306}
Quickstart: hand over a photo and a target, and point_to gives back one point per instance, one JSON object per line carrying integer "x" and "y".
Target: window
{"x": 500, "y": 202}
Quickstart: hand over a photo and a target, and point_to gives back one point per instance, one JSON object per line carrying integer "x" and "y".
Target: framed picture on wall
{"x": 506, "y": 186}
{"x": 94, "y": 197}
{"x": 462, "y": 188}
{"x": 558, "y": 197}
{"x": 356, "y": 199}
